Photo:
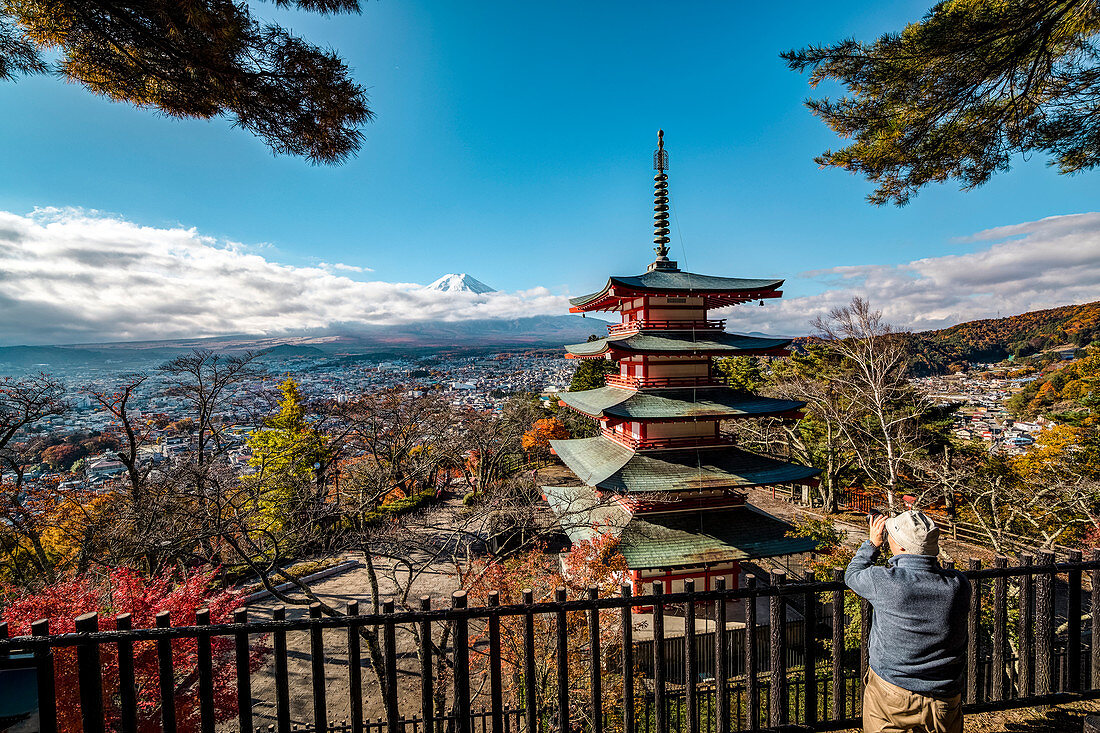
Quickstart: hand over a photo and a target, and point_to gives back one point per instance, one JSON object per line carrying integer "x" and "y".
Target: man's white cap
{"x": 915, "y": 532}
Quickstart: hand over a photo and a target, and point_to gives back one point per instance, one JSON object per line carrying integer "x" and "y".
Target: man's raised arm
{"x": 857, "y": 575}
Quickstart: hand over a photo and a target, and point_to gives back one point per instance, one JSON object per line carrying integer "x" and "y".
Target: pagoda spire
{"x": 660, "y": 207}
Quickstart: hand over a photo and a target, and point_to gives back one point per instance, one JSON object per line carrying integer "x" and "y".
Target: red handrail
{"x": 632, "y": 382}
{"x": 704, "y": 324}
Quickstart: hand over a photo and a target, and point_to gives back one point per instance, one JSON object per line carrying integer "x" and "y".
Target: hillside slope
{"x": 993, "y": 339}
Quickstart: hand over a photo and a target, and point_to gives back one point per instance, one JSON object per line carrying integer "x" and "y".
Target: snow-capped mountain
{"x": 460, "y": 283}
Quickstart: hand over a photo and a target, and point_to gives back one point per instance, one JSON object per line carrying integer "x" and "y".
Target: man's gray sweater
{"x": 918, "y": 636}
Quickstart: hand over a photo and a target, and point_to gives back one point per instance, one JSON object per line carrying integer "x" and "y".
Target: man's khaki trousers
{"x": 888, "y": 708}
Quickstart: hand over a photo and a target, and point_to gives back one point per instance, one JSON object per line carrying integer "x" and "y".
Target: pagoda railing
{"x": 685, "y": 441}
{"x": 800, "y": 664}
{"x": 631, "y": 382}
{"x": 638, "y": 325}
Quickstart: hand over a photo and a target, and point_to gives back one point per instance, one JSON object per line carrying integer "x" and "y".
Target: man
{"x": 918, "y": 634}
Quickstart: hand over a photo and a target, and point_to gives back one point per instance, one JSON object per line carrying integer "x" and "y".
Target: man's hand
{"x": 878, "y": 530}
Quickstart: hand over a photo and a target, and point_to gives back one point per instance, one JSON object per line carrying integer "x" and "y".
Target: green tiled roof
{"x": 668, "y": 540}
{"x": 677, "y": 282}
{"x": 603, "y": 463}
{"x": 716, "y": 402}
{"x": 691, "y": 538}
{"x": 679, "y": 342}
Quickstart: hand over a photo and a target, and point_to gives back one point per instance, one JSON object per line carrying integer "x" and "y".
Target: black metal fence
{"x": 574, "y": 664}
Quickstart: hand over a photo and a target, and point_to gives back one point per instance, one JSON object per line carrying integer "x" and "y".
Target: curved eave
{"x": 718, "y": 291}
{"x": 678, "y": 343}
{"x": 720, "y": 403}
{"x": 605, "y": 464}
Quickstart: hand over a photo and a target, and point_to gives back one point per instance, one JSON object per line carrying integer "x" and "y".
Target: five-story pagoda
{"x": 662, "y": 475}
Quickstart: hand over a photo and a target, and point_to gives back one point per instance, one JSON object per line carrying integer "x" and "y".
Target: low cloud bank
{"x": 70, "y": 276}
{"x": 1019, "y": 268}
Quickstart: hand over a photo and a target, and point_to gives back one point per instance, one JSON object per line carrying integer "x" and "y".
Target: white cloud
{"x": 70, "y": 276}
{"x": 1022, "y": 267}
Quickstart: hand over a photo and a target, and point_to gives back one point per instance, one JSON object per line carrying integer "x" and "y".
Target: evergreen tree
{"x": 199, "y": 59}
{"x": 592, "y": 373}
{"x": 958, "y": 94}
{"x": 742, "y": 372}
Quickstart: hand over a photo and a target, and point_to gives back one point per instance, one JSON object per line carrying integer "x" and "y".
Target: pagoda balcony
{"x": 684, "y": 441}
{"x": 638, "y": 325}
{"x": 632, "y": 382}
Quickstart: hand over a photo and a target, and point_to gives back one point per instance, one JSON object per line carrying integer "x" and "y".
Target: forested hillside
{"x": 993, "y": 339}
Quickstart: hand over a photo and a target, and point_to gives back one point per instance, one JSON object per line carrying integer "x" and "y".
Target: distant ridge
{"x": 460, "y": 283}
{"x": 995, "y": 339}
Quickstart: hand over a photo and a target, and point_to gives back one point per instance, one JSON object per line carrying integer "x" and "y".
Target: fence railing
{"x": 557, "y": 666}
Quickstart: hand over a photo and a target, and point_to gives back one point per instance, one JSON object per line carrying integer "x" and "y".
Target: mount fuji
{"x": 460, "y": 283}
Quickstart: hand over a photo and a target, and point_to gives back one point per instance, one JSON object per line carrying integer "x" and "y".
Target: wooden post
{"x": 752, "y": 698}
{"x": 809, "y": 657}
{"x": 973, "y": 632}
{"x": 241, "y": 655}
{"x": 529, "y": 663}
{"x": 204, "y": 662}
{"x": 594, "y": 682}
{"x": 127, "y": 690}
{"x": 1044, "y": 627}
{"x": 461, "y": 663}
{"x": 1094, "y": 609}
{"x": 1026, "y": 671}
{"x": 1000, "y": 628}
{"x": 89, "y": 673}
{"x": 427, "y": 701}
{"x": 866, "y": 615}
{"x": 166, "y": 676}
{"x": 47, "y": 700}
{"x": 1073, "y": 620}
{"x": 721, "y": 662}
{"x": 837, "y": 711}
{"x": 777, "y": 702}
{"x": 628, "y": 662}
{"x": 691, "y": 664}
{"x": 317, "y": 668}
{"x": 661, "y": 716}
{"x": 496, "y": 687}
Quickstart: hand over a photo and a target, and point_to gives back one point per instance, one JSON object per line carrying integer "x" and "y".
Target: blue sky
{"x": 513, "y": 142}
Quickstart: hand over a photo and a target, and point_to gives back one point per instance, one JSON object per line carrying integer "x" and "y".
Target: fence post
{"x": 1044, "y": 630}
{"x": 529, "y": 662}
{"x": 496, "y": 695}
{"x": 1073, "y": 619}
{"x": 721, "y": 662}
{"x": 206, "y": 672}
{"x": 1026, "y": 673}
{"x": 627, "y": 631}
{"x": 809, "y": 657}
{"x": 127, "y": 691}
{"x": 752, "y": 698}
{"x": 462, "y": 663}
{"x": 658, "y": 658}
{"x": 47, "y": 700}
{"x": 166, "y": 676}
{"x": 317, "y": 668}
{"x": 595, "y": 690}
{"x": 563, "y": 661}
{"x": 777, "y": 646}
{"x": 244, "y": 672}
{"x": 691, "y": 664}
{"x": 837, "y": 711}
{"x": 427, "y": 702}
{"x": 973, "y": 630}
{"x": 1000, "y": 628}
{"x": 1094, "y": 610}
{"x": 89, "y": 672}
